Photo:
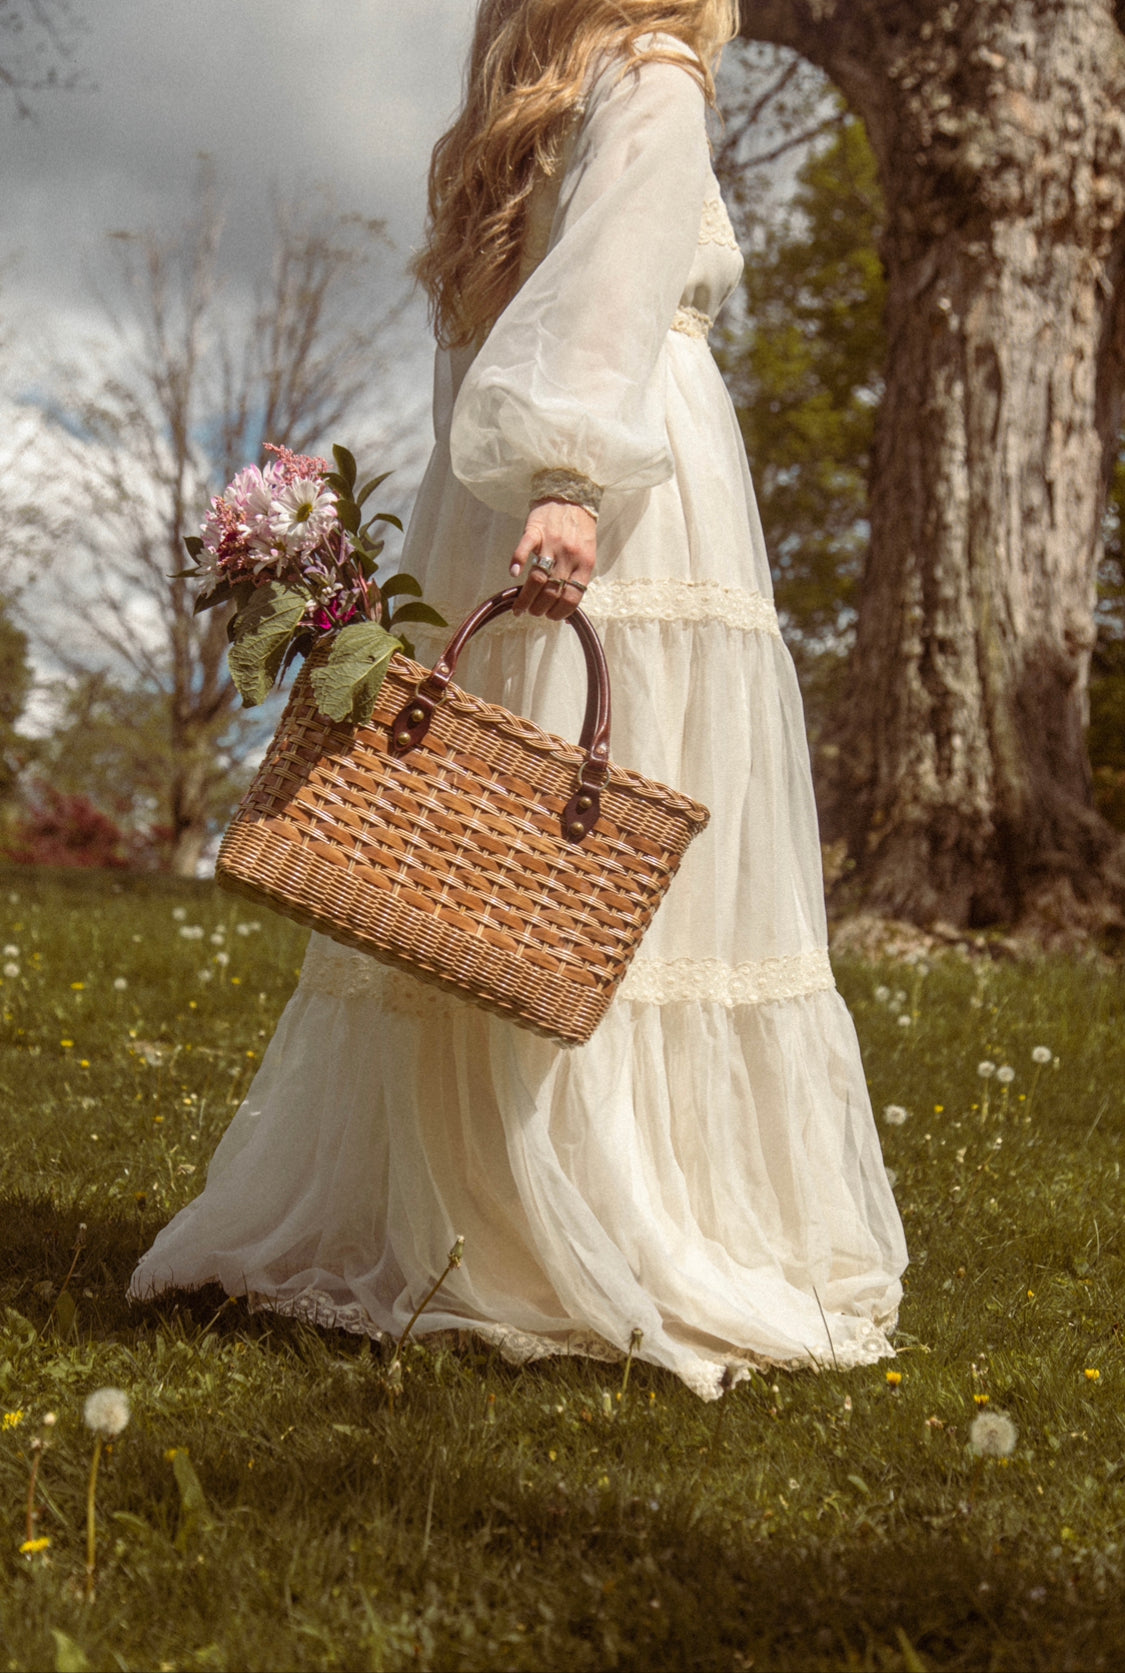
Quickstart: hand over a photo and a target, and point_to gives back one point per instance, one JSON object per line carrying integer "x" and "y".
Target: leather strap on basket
{"x": 410, "y": 726}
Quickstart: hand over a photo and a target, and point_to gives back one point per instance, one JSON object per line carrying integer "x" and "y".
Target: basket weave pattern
{"x": 450, "y": 862}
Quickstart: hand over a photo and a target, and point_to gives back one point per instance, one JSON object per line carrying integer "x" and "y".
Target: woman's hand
{"x": 568, "y": 534}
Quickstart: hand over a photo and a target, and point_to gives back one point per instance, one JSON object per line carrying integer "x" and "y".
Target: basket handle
{"x": 413, "y": 721}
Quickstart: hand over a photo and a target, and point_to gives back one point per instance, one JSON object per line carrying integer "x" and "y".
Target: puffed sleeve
{"x": 571, "y": 377}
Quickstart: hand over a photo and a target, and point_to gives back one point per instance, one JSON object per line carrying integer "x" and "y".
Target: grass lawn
{"x": 267, "y": 1508}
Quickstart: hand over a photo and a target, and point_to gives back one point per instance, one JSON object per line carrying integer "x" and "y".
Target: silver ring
{"x": 540, "y": 562}
{"x": 579, "y": 586}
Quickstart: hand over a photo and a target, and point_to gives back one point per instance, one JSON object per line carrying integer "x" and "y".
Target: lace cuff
{"x": 571, "y": 486}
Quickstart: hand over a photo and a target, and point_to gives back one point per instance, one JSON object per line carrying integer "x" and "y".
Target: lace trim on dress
{"x": 692, "y": 322}
{"x": 342, "y": 973}
{"x": 715, "y": 227}
{"x": 659, "y": 599}
{"x": 648, "y": 599}
{"x": 571, "y": 486}
{"x": 868, "y": 1342}
{"x": 711, "y": 981}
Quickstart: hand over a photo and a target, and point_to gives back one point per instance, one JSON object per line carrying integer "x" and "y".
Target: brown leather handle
{"x": 413, "y": 722}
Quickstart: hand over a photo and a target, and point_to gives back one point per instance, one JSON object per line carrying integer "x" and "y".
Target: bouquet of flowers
{"x": 289, "y": 547}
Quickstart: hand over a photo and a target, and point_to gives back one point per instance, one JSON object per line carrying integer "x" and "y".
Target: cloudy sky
{"x": 284, "y": 95}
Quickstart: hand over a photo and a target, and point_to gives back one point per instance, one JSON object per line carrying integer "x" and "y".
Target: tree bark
{"x": 959, "y": 775}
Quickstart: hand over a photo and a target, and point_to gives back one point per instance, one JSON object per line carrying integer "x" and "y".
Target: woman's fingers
{"x": 558, "y": 546}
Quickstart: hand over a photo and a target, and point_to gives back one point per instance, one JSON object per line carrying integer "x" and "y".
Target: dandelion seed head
{"x": 179, "y": 913}
{"x": 192, "y": 932}
{"x": 107, "y": 1411}
{"x": 904, "y": 1021}
{"x": 222, "y": 958}
{"x": 11, "y": 970}
{"x": 217, "y": 938}
{"x": 120, "y": 983}
{"x": 1040, "y": 1054}
{"x": 1005, "y": 1074}
{"x": 11, "y": 950}
{"x": 993, "y": 1435}
{"x": 894, "y": 1115}
{"x": 986, "y": 1070}
{"x": 892, "y": 1178}
{"x": 882, "y": 994}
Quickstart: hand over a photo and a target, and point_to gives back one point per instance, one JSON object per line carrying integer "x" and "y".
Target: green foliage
{"x": 111, "y": 743}
{"x": 15, "y": 688}
{"x": 260, "y": 635}
{"x": 805, "y": 372}
{"x": 529, "y": 1519}
{"x": 346, "y": 686}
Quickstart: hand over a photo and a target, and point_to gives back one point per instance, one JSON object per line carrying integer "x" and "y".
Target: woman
{"x": 706, "y": 1171}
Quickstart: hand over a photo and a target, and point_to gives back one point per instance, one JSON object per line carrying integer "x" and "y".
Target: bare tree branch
{"x": 200, "y": 382}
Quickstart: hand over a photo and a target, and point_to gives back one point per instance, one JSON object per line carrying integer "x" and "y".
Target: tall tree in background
{"x": 15, "y": 688}
{"x": 199, "y": 386}
{"x": 963, "y": 785}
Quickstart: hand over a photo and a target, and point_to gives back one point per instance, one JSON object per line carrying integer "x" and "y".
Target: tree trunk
{"x": 959, "y": 775}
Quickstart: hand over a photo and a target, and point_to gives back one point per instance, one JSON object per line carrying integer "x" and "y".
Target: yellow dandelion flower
{"x": 170, "y": 1455}
{"x": 939, "y": 1109}
{"x": 894, "y": 1378}
{"x": 83, "y": 1062}
{"x": 66, "y": 1044}
{"x": 980, "y": 1399}
{"x": 1031, "y": 1295}
{"x": 1092, "y": 1376}
{"x": 11, "y": 1420}
{"x": 77, "y": 987}
{"x": 31, "y": 1547}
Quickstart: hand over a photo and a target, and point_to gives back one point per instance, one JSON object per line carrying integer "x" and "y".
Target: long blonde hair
{"x": 527, "y": 70}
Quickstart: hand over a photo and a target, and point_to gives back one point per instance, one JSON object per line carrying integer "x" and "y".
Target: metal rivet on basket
{"x": 417, "y": 716}
{"x": 576, "y": 830}
{"x": 402, "y": 738}
{"x": 584, "y": 803}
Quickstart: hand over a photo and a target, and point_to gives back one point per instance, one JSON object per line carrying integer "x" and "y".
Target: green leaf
{"x": 337, "y": 483}
{"x": 222, "y": 594}
{"x": 348, "y": 513}
{"x": 417, "y": 613}
{"x": 69, "y": 1656}
{"x": 193, "y": 1500}
{"x": 66, "y": 1311}
{"x": 194, "y": 545}
{"x": 346, "y": 687}
{"x": 346, "y": 465}
{"x": 401, "y": 583}
{"x": 261, "y": 632}
{"x": 370, "y": 487}
{"x": 385, "y": 517}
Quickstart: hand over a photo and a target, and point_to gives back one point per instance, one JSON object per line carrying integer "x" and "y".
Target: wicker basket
{"x": 461, "y": 843}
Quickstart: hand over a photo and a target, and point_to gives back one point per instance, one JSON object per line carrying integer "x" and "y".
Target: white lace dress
{"x": 706, "y": 1170}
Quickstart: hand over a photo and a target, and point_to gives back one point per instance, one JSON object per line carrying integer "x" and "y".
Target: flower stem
{"x": 32, "y": 1516}
{"x": 91, "y": 1519}
{"x": 394, "y": 1382}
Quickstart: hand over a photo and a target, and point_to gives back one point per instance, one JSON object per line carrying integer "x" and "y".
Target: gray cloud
{"x": 282, "y": 94}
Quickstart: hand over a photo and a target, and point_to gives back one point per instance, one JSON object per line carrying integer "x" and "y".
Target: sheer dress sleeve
{"x": 571, "y": 378}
